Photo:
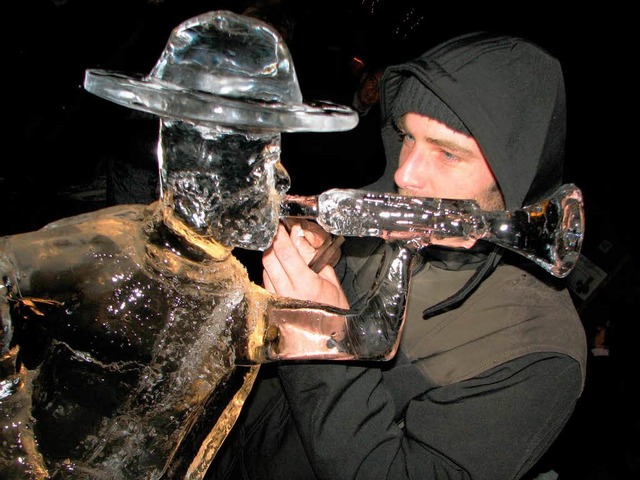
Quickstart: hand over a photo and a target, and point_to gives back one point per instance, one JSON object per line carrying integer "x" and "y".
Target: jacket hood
{"x": 509, "y": 94}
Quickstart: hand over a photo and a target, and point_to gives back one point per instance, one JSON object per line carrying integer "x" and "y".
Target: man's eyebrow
{"x": 400, "y": 125}
{"x": 450, "y": 145}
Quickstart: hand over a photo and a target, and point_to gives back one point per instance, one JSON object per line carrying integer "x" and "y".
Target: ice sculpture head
{"x": 224, "y": 88}
{"x": 234, "y": 198}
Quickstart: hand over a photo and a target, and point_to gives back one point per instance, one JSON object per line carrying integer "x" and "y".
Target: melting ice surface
{"x": 121, "y": 329}
{"x": 225, "y": 183}
{"x": 549, "y": 233}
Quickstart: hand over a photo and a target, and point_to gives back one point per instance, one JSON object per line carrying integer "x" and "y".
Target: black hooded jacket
{"x": 479, "y": 391}
{"x": 516, "y": 112}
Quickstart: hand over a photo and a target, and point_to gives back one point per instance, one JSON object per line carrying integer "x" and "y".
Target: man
{"x": 492, "y": 357}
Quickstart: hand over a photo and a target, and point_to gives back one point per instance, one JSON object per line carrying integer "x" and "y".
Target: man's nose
{"x": 411, "y": 173}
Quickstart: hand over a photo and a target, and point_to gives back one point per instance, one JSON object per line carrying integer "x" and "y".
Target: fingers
{"x": 285, "y": 262}
{"x": 302, "y": 240}
{"x": 313, "y": 233}
{"x": 326, "y": 247}
{"x": 286, "y": 271}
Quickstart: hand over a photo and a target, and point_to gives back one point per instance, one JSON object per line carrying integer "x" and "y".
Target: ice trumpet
{"x": 549, "y": 233}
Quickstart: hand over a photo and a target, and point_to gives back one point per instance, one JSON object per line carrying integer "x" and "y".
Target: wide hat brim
{"x": 170, "y": 101}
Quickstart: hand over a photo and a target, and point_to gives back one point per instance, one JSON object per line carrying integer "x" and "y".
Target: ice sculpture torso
{"x": 127, "y": 339}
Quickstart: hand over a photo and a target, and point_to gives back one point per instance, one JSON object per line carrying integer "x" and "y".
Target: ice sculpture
{"x": 131, "y": 336}
{"x": 549, "y": 233}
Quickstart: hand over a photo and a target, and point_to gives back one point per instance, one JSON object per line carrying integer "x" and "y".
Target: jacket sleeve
{"x": 493, "y": 426}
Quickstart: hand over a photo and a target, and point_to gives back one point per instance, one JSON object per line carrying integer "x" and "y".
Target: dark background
{"x": 60, "y": 141}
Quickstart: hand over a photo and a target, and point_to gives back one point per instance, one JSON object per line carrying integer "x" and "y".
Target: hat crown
{"x": 221, "y": 68}
{"x": 221, "y": 54}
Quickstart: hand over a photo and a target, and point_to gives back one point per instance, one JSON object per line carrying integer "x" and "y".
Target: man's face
{"x": 438, "y": 162}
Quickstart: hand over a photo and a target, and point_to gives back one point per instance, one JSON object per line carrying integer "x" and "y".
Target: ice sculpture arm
{"x": 298, "y": 329}
{"x": 549, "y": 233}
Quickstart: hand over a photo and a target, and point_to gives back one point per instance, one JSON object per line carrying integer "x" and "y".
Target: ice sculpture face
{"x": 224, "y": 183}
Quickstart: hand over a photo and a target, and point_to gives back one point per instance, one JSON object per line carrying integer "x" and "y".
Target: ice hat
{"x": 227, "y": 69}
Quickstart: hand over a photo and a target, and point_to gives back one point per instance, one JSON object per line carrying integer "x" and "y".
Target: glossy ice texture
{"x": 549, "y": 233}
{"x": 123, "y": 341}
{"x": 122, "y": 332}
{"x": 224, "y": 183}
{"x": 223, "y": 68}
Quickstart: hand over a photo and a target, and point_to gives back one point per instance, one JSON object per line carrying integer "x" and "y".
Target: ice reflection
{"x": 549, "y": 233}
{"x": 223, "y": 182}
{"x": 131, "y": 335}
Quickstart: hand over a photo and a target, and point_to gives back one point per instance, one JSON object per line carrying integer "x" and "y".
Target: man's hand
{"x": 286, "y": 266}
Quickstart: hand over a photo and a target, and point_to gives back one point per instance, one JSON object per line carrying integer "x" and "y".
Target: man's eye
{"x": 402, "y": 135}
{"x": 406, "y": 137}
{"x": 449, "y": 157}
